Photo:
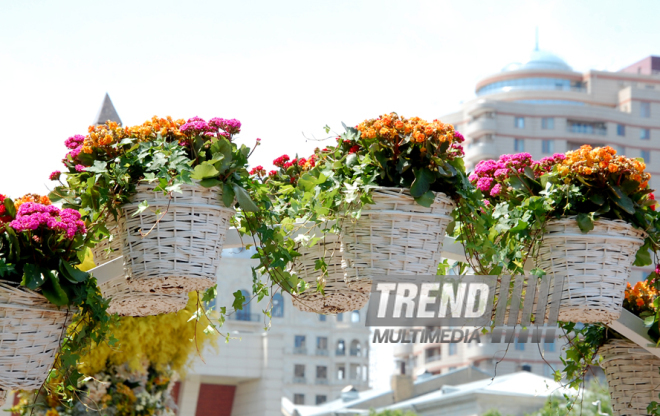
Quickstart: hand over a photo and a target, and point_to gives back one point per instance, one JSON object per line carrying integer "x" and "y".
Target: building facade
{"x": 304, "y": 357}
{"x": 543, "y": 107}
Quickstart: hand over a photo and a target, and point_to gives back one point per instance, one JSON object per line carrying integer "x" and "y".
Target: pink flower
{"x": 496, "y": 190}
{"x": 32, "y": 216}
{"x": 80, "y": 168}
{"x": 55, "y": 175}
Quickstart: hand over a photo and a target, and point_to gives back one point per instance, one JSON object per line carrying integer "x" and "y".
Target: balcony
{"x": 299, "y": 380}
{"x": 355, "y": 352}
{"x": 245, "y": 317}
{"x": 300, "y": 350}
{"x": 479, "y": 151}
{"x": 433, "y": 358}
{"x": 322, "y": 381}
{"x": 322, "y": 351}
{"x": 481, "y": 125}
{"x": 587, "y": 128}
{"x": 340, "y": 351}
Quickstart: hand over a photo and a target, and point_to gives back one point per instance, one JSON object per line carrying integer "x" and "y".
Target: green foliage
{"x": 595, "y": 401}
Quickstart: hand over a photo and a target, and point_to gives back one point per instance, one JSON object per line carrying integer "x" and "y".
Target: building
{"x": 543, "y": 106}
{"x": 492, "y": 358}
{"x": 303, "y": 357}
{"x": 463, "y": 392}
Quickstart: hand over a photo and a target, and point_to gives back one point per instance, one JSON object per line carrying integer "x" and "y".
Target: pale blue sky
{"x": 282, "y": 68}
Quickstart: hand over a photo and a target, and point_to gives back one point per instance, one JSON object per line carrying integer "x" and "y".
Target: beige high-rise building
{"x": 541, "y": 107}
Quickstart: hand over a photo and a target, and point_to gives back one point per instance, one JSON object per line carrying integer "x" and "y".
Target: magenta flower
{"x": 80, "y": 168}
{"x": 55, "y": 175}
{"x": 31, "y": 216}
{"x": 496, "y": 190}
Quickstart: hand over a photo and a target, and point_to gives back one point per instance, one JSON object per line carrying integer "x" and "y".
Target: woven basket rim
{"x": 9, "y": 286}
{"x": 603, "y": 221}
{"x": 406, "y": 191}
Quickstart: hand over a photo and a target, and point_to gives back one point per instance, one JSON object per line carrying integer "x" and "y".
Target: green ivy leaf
{"x": 239, "y": 300}
{"x": 97, "y": 167}
{"x": 141, "y": 207}
{"x": 244, "y": 200}
{"x": 585, "y": 222}
{"x": 203, "y": 171}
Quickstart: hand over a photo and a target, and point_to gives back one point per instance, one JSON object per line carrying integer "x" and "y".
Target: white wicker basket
{"x": 109, "y": 248}
{"x": 594, "y": 266}
{"x": 632, "y": 376}
{"x": 125, "y": 301}
{"x": 394, "y": 236}
{"x": 181, "y": 250}
{"x": 338, "y": 297}
{"x": 31, "y": 329}
{"x": 128, "y": 302}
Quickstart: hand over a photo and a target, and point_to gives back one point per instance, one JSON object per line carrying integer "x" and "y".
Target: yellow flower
{"x": 52, "y": 412}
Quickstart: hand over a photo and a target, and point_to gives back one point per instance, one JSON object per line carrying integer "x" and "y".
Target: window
{"x": 520, "y": 346}
{"x": 526, "y": 367}
{"x": 321, "y": 346}
{"x": 549, "y": 347}
{"x": 645, "y": 134}
{"x": 322, "y": 318}
{"x": 321, "y": 372}
{"x": 300, "y": 345}
{"x": 340, "y": 317}
{"x": 299, "y": 371}
{"x": 646, "y": 155}
{"x": 548, "y": 123}
{"x": 519, "y": 122}
{"x": 278, "y": 306}
{"x": 519, "y": 145}
{"x": 621, "y": 150}
{"x": 341, "y": 372}
{"x": 244, "y": 314}
{"x": 341, "y": 347}
{"x": 320, "y": 399}
{"x": 548, "y": 146}
{"x": 356, "y": 348}
{"x": 355, "y": 316}
{"x": 452, "y": 349}
{"x": 298, "y": 399}
{"x": 645, "y": 110}
{"x": 620, "y": 130}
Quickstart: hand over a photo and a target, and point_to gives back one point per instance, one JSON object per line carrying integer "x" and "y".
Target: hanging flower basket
{"x": 337, "y": 296}
{"x": 176, "y": 250}
{"x": 594, "y": 266}
{"x": 394, "y": 236}
{"x": 32, "y": 329}
{"x": 125, "y": 301}
{"x": 632, "y": 376}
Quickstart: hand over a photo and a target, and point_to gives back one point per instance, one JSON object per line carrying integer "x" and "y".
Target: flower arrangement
{"x": 41, "y": 248}
{"x": 161, "y": 150}
{"x": 136, "y": 376}
{"x": 119, "y": 391}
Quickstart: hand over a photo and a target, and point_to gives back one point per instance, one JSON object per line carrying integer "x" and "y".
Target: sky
{"x": 283, "y": 68}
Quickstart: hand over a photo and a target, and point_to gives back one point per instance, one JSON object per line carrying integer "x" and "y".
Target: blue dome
{"x": 540, "y": 60}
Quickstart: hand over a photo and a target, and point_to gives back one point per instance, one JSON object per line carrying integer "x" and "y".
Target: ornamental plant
{"x": 105, "y": 166}
{"x": 136, "y": 376}
{"x": 521, "y": 195}
{"x": 41, "y": 247}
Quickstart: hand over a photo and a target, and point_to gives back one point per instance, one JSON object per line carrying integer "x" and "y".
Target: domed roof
{"x": 540, "y": 60}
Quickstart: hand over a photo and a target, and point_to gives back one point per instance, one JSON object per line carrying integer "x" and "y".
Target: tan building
{"x": 543, "y": 107}
{"x": 304, "y": 357}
